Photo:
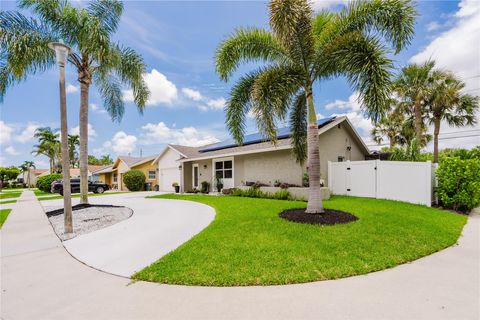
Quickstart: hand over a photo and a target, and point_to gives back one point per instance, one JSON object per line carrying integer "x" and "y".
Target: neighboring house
{"x": 259, "y": 160}
{"x": 113, "y": 175}
{"x": 34, "y": 174}
{"x": 75, "y": 172}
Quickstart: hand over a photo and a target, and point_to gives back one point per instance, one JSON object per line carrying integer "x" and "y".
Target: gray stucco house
{"x": 259, "y": 160}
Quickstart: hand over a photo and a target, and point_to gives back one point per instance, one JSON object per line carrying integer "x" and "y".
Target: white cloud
{"x": 11, "y": 151}
{"x": 162, "y": 90}
{"x": 217, "y": 104}
{"x": 325, "y": 4}
{"x": 434, "y": 25}
{"x": 192, "y": 94}
{"x": 121, "y": 143}
{"x": 5, "y": 132}
{"x": 457, "y": 49}
{"x": 93, "y": 106}
{"x": 188, "y": 136}
{"x": 358, "y": 121}
{"x": 91, "y": 131}
{"x": 353, "y": 103}
{"x": 320, "y": 116}
{"x": 71, "y": 88}
{"x": 27, "y": 133}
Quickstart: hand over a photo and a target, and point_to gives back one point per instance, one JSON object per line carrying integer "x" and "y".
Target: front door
{"x": 224, "y": 171}
{"x": 195, "y": 176}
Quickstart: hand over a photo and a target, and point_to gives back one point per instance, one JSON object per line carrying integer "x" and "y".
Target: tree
{"x": 300, "y": 50}
{"x": 7, "y": 174}
{"x": 389, "y": 126}
{"x": 97, "y": 59}
{"x": 413, "y": 85}
{"x": 49, "y": 146}
{"x": 104, "y": 160}
{"x": 447, "y": 103}
{"x": 26, "y": 166}
{"x": 73, "y": 143}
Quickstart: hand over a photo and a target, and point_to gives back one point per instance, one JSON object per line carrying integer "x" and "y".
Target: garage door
{"x": 167, "y": 177}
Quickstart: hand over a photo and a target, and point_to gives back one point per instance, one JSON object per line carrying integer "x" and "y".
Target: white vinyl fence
{"x": 395, "y": 180}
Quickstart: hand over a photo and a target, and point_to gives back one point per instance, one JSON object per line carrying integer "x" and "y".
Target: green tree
{"x": 389, "y": 126}
{"x": 97, "y": 59}
{"x": 7, "y": 174}
{"x": 26, "y": 166}
{"x": 73, "y": 143}
{"x": 413, "y": 87}
{"x": 302, "y": 49}
{"x": 448, "y": 103}
{"x": 49, "y": 146}
{"x": 104, "y": 160}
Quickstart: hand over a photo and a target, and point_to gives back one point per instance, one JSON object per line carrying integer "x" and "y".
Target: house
{"x": 260, "y": 160}
{"x": 113, "y": 175}
{"x": 75, "y": 172}
{"x": 31, "y": 176}
{"x": 168, "y": 167}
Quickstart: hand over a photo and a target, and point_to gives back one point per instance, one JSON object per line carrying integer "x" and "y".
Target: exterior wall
{"x": 121, "y": 169}
{"x": 168, "y": 169}
{"x": 267, "y": 167}
{"x": 145, "y": 167}
{"x": 105, "y": 178}
{"x": 333, "y": 144}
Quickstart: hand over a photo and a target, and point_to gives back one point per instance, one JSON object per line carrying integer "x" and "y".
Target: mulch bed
{"x": 329, "y": 217}
{"x": 79, "y": 207}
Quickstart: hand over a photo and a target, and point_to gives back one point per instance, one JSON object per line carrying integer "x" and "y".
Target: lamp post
{"x": 61, "y": 55}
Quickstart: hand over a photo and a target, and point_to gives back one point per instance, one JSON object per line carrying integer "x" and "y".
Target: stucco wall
{"x": 169, "y": 159}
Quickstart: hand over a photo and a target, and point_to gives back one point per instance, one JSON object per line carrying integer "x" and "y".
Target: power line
{"x": 440, "y": 138}
{"x": 455, "y": 132}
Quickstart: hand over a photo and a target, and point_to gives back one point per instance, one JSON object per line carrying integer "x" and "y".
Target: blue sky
{"x": 178, "y": 41}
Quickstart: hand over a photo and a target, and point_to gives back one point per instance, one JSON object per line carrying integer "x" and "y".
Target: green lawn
{"x": 10, "y": 194}
{"x": 3, "y": 215}
{"x": 40, "y": 193}
{"x": 8, "y": 201}
{"x": 248, "y": 244}
{"x": 55, "y": 197}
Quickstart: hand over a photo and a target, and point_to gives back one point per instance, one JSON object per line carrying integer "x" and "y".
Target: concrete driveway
{"x": 40, "y": 280}
{"x": 156, "y": 227}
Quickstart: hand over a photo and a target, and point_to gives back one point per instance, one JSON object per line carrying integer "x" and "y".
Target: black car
{"x": 95, "y": 187}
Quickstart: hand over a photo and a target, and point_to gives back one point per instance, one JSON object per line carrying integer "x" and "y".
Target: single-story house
{"x": 32, "y": 177}
{"x": 113, "y": 175}
{"x": 168, "y": 167}
{"x": 75, "y": 172}
{"x": 258, "y": 159}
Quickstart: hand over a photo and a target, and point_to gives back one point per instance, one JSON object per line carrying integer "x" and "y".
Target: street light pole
{"x": 61, "y": 54}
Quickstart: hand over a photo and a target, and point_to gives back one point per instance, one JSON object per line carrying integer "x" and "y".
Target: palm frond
{"x": 110, "y": 88}
{"x": 298, "y": 125}
{"x": 246, "y": 45}
{"x": 108, "y": 12}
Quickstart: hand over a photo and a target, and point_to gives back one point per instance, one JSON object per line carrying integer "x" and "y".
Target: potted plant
{"x": 219, "y": 184}
{"x": 205, "y": 187}
{"x": 176, "y": 186}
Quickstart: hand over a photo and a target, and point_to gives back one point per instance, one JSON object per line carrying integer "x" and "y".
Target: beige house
{"x": 260, "y": 160}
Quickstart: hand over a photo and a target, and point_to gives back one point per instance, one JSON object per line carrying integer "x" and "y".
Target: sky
{"x": 177, "y": 40}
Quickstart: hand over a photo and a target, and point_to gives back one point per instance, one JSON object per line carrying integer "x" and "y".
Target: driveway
{"x": 156, "y": 227}
{"x": 40, "y": 280}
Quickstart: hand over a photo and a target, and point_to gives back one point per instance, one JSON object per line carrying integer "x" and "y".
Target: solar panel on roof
{"x": 282, "y": 133}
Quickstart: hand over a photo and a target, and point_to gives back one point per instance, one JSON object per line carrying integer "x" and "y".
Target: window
{"x": 224, "y": 169}
{"x": 195, "y": 175}
{"x": 115, "y": 178}
{"x": 151, "y": 175}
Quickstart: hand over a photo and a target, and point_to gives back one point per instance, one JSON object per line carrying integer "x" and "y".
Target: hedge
{"x": 459, "y": 183}
{"x": 134, "y": 180}
{"x": 44, "y": 183}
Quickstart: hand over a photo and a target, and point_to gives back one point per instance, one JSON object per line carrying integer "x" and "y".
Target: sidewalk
{"x": 40, "y": 280}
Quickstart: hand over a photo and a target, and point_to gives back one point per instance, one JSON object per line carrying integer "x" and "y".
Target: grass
{"x": 54, "y": 197}
{"x": 10, "y": 194}
{"x": 8, "y": 201}
{"x": 248, "y": 244}
{"x": 40, "y": 193}
{"x": 3, "y": 215}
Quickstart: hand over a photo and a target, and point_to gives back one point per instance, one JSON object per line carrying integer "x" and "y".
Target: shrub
{"x": 459, "y": 183}
{"x": 44, "y": 183}
{"x": 134, "y": 180}
{"x": 253, "y": 192}
{"x": 281, "y": 195}
{"x": 228, "y": 191}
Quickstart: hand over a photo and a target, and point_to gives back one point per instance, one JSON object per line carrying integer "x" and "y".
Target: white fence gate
{"x": 394, "y": 180}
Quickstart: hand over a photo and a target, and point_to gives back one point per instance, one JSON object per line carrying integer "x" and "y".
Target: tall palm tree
{"x": 97, "y": 59}
{"x": 73, "y": 143}
{"x": 301, "y": 49}
{"x": 48, "y": 145}
{"x": 413, "y": 85}
{"x": 448, "y": 103}
{"x": 106, "y": 160}
{"x": 389, "y": 126}
{"x": 26, "y": 166}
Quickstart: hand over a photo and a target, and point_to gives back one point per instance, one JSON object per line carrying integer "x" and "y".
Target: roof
{"x": 282, "y": 133}
{"x": 283, "y": 142}
{"x": 38, "y": 171}
{"x": 103, "y": 169}
{"x": 132, "y": 161}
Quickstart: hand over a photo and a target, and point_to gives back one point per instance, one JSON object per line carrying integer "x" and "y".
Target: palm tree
{"x": 25, "y": 167}
{"x": 301, "y": 49}
{"x": 448, "y": 103}
{"x": 413, "y": 85}
{"x": 48, "y": 145}
{"x": 389, "y": 126}
{"x": 88, "y": 31}
{"x": 73, "y": 143}
{"x": 106, "y": 160}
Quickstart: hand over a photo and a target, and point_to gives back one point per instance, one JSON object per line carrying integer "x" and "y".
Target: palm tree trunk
{"x": 436, "y": 132}
{"x": 418, "y": 122}
{"x": 84, "y": 88}
{"x": 314, "y": 197}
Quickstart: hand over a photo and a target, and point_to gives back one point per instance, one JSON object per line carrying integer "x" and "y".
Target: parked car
{"x": 95, "y": 187}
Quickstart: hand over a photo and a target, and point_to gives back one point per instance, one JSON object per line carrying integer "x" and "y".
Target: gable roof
{"x": 132, "y": 161}
{"x": 265, "y": 145}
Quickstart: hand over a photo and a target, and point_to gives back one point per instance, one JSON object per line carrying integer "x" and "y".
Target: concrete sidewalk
{"x": 40, "y": 280}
